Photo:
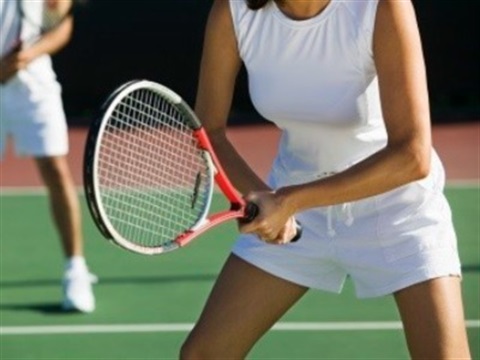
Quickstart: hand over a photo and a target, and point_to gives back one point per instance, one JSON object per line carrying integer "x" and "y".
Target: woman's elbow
{"x": 413, "y": 157}
{"x": 420, "y": 161}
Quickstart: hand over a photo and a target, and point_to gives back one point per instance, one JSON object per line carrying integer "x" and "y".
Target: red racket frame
{"x": 238, "y": 205}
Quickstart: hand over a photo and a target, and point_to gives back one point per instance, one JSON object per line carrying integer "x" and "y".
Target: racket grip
{"x": 252, "y": 210}
{"x": 299, "y": 231}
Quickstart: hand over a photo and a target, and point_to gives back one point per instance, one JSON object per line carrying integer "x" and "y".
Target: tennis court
{"x": 145, "y": 305}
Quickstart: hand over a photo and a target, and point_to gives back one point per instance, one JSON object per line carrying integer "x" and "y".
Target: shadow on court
{"x": 44, "y": 308}
{"x": 31, "y": 283}
{"x": 471, "y": 268}
{"x": 116, "y": 280}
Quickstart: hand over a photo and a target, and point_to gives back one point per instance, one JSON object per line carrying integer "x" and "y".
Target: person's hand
{"x": 275, "y": 222}
{"x": 11, "y": 64}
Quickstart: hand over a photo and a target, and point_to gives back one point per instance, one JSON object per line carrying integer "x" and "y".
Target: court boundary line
{"x": 40, "y": 190}
{"x": 185, "y": 327}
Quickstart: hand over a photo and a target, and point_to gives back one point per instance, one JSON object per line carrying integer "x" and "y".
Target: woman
{"x": 32, "y": 114}
{"x": 345, "y": 81}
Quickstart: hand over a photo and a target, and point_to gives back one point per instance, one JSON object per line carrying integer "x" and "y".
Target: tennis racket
{"x": 44, "y": 16}
{"x": 150, "y": 172}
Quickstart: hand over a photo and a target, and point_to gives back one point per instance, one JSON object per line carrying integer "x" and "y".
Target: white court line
{"x": 184, "y": 327}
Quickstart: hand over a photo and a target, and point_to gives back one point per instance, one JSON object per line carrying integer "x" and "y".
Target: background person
{"x": 32, "y": 114}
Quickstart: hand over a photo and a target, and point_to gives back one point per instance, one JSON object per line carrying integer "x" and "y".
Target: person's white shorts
{"x": 35, "y": 121}
{"x": 384, "y": 243}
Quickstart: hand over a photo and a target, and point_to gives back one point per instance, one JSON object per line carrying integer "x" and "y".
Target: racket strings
{"x": 154, "y": 179}
{"x": 140, "y": 174}
{"x": 138, "y": 193}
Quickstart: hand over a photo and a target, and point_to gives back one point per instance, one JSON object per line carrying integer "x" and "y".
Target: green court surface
{"x": 145, "y": 305}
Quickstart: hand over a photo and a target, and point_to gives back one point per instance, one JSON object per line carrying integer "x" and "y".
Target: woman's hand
{"x": 11, "y": 64}
{"x": 275, "y": 222}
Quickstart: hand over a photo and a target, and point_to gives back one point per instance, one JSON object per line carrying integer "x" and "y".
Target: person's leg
{"x": 245, "y": 302}
{"x": 65, "y": 207}
{"x": 64, "y": 202}
{"x": 433, "y": 319}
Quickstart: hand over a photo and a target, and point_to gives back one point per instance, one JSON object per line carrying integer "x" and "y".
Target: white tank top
{"x": 316, "y": 80}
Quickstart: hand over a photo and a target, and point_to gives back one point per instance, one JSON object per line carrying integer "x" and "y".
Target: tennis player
{"x": 345, "y": 81}
{"x": 32, "y": 114}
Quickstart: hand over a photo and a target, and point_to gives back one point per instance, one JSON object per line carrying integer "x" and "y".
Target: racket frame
{"x": 216, "y": 173}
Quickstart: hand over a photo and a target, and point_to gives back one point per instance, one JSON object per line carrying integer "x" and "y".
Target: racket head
{"x": 45, "y": 14}
{"x": 147, "y": 181}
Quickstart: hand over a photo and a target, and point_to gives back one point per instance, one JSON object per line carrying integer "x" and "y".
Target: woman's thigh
{"x": 433, "y": 318}
{"x": 244, "y": 303}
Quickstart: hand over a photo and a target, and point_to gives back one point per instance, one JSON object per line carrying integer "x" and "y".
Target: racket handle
{"x": 252, "y": 210}
{"x": 299, "y": 231}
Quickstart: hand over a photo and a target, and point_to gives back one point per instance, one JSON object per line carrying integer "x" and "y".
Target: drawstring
{"x": 331, "y": 231}
{"x": 347, "y": 210}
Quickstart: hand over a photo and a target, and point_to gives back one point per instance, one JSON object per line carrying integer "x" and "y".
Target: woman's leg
{"x": 64, "y": 202}
{"x": 433, "y": 318}
{"x": 65, "y": 207}
{"x": 245, "y": 302}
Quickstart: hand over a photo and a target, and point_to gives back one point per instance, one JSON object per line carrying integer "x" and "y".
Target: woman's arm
{"x": 403, "y": 91}
{"x": 403, "y": 88}
{"x": 50, "y": 43}
{"x": 218, "y": 72}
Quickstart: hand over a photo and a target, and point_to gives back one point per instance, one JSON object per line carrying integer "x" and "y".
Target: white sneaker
{"x": 77, "y": 290}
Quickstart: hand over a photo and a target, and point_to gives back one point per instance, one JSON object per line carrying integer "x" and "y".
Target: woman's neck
{"x": 302, "y": 9}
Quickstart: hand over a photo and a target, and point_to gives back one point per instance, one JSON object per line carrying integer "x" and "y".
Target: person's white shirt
{"x": 38, "y": 77}
{"x": 316, "y": 80}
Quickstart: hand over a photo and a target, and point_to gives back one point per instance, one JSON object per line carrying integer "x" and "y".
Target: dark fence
{"x": 119, "y": 40}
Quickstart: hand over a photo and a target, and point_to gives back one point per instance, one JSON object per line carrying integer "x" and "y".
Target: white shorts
{"x": 35, "y": 120}
{"x": 384, "y": 243}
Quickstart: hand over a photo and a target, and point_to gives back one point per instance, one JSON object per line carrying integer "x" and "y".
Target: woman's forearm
{"x": 53, "y": 41}
{"x": 385, "y": 170}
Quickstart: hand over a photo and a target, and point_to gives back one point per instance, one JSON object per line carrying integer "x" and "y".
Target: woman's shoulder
{"x": 231, "y": 9}
{"x": 220, "y": 16}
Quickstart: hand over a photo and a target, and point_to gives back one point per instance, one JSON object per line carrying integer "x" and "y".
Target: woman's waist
{"x": 292, "y": 169}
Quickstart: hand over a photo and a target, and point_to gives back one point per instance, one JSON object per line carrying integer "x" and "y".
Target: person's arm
{"x": 53, "y": 41}
{"x": 406, "y": 157}
{"x": 218, "y": 72}
{"x": 50, "y": 43}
